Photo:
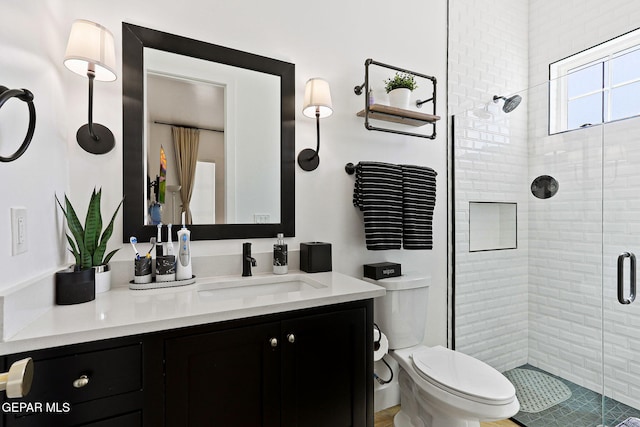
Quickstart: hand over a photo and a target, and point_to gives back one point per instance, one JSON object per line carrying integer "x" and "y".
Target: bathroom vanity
{"x": 256, "y": 352}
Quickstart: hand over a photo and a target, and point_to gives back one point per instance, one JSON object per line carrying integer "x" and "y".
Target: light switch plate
{"x": 18, "y": 230}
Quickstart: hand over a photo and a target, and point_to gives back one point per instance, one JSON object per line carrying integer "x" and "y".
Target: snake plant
{"x": 88, "y": 246}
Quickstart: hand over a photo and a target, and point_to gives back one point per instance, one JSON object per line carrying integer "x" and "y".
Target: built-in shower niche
{"x": 492, "y": 226}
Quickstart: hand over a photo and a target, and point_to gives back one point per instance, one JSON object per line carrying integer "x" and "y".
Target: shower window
{"x": 600, "y": 84}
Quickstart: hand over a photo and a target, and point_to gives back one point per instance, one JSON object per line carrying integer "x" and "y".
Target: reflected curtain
{"x": 185, "y": 142}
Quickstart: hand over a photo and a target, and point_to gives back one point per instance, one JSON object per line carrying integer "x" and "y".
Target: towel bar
{"x": 350, "y": 168}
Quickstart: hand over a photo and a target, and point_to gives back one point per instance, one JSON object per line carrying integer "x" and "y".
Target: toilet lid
{"x": 463, "y": 375}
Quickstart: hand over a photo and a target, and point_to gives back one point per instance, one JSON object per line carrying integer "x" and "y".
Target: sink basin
{"x": 273, "y": 287}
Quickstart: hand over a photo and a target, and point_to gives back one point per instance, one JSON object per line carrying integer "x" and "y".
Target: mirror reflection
{"x": 210, "y": 127}
{"x": 208, "y": 133}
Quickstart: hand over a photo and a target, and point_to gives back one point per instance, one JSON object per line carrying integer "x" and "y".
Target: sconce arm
{"x": 94, "y": 137}
{"x": 317, "y": 132}
{"x": 91, "y": 75}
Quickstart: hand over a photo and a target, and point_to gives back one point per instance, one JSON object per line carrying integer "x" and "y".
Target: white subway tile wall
{"x": 488, "y": 56}
{"x": 621, "y": 181}
{"x": 543, "y": 303}
{"x": 574, "y": 243}
{"x": 565, "y": 252}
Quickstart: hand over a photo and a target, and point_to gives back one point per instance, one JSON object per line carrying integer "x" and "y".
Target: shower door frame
{"x": 621, "y": 245}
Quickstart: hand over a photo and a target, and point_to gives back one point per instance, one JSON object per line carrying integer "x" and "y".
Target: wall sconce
{"x": 317, "y": 103}
{"x": 91, "y": 52}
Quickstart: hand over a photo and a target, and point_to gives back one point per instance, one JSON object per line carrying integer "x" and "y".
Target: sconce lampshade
{"x": 317, "y": 96}
{"x": 91, "y": 43}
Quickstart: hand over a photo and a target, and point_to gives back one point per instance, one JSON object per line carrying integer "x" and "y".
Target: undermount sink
{"x": 276, "y": 287}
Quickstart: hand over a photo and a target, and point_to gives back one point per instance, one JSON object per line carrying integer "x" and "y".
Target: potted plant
{"x": 88, "y": 245}
{"x": 399, "y": 89}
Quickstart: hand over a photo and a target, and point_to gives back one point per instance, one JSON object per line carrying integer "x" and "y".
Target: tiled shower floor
{"x": 582, "y": 409}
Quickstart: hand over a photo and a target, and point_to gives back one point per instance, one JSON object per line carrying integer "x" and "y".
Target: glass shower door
{"x": 621, "y": 248}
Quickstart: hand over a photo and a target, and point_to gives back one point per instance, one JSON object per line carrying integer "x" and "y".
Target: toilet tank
{"x": 402, "y": 313}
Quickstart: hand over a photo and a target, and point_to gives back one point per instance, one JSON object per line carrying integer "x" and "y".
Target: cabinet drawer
{"x": 109, "y": 372}
{"x": 129, "y": 420}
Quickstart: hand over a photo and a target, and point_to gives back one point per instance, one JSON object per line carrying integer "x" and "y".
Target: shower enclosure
{"x": 544, "y": 229}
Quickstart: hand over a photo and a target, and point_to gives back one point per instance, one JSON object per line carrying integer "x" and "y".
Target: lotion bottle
{"x": 183, "y": 264}
{"x": 280, "y": 255}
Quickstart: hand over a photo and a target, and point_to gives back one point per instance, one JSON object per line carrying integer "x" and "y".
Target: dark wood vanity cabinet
{"x": 302, "y": 369}
{"x": 324, "y": 370}
{"x": 311, "y": 367}
{"x": 229, "y": 377}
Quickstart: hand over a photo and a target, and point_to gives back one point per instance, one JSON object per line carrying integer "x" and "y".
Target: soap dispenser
{"x": 280, "y": 261}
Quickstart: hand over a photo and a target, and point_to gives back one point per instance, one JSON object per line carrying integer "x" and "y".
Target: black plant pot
{"x": 75, "y": 286}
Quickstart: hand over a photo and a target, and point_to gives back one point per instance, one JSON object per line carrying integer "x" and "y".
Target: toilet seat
{"x": 463, "y": 376}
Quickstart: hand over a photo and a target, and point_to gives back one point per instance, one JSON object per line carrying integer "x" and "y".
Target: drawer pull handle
{"x": 273, "y": 342}
{"x": 291, "y": 338}
{"x": 81, "y": 382}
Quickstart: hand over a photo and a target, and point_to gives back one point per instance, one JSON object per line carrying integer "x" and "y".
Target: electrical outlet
{"x": 261, "y": 218}
{"x": 18, "y": 230}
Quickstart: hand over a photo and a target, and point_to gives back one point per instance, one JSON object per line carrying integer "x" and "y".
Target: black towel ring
{"x": 26, "y": 96}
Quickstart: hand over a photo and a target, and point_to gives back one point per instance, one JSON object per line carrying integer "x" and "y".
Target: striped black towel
{"x": 419, "y": 201}
{"x": 378, "y": 194}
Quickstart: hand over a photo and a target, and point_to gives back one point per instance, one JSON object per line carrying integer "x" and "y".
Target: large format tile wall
{"x": 488, "y": 56}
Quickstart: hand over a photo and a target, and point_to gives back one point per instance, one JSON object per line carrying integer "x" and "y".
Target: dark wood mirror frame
{"x": 134, "y": 39}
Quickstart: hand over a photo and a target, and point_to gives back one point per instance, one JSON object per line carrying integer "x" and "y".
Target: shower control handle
{"x": 632, "y": 285}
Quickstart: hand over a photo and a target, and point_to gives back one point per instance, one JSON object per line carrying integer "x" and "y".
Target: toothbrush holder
{"x": 142, "y": 270}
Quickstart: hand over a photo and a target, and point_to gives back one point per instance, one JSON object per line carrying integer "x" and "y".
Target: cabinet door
{"x": 227, "y": 378}
{"x": 324, "y": 370}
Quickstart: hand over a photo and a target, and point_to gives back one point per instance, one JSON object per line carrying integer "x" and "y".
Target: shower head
{"x": 510, "y": 103}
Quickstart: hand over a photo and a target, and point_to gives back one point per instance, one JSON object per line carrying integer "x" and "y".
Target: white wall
{"x": 330, "y": 39}
{"x": 488, "y": 56}
{"x": 33, "y": 60}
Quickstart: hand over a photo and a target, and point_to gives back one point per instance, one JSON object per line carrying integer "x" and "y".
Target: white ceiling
{"x": 185, "y": 102}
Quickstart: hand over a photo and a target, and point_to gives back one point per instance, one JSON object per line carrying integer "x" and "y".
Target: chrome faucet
{"x": 247, "y": 260}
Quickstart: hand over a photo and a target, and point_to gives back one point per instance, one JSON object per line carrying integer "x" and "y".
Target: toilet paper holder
{"x": 17, "y": 381}
{"x": 376, "y": 339}
{"x": 380, "y": 348}
{"x": 380, "y": 343}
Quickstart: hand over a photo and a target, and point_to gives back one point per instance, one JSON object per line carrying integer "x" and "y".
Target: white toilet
{"x": 438, "y": 387}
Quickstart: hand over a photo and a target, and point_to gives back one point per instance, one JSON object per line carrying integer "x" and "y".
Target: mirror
{"x": 240, "y": 105}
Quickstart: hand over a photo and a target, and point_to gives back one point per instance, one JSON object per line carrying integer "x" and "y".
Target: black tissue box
{"x": 382, "y": 270}
{"x": 315, "y": 257}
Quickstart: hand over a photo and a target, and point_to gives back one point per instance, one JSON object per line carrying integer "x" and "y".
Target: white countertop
{"x": 122, "y": 311}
